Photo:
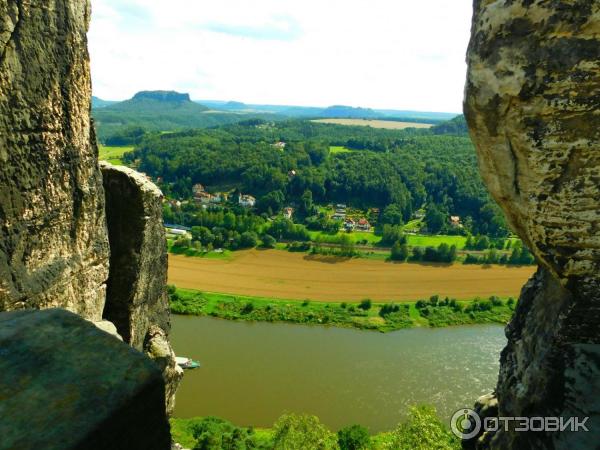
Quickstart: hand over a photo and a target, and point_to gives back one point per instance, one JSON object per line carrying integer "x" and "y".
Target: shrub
{"x": 354, "y": 437}
{"x": 365, "y": 305}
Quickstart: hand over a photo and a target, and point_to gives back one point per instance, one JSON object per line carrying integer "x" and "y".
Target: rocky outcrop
{"x": 531, "y": 103}
{"x": 53, "y": 241}
{"x": 136, "y": 300}
{"x": 56, "y": 230}
{"x": 136, "y": 290}
{"x": 65, "y": 384}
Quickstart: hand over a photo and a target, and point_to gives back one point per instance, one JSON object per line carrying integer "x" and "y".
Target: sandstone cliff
{"x": 55, "y": 239}
{"x": 532, "y": 103}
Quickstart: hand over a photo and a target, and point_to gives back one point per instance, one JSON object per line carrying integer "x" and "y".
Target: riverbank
{"x": 365, "y": 315}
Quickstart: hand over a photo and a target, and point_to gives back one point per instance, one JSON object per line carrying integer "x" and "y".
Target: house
{"x": 455, "y": 222}
{"x": 279, "y": 145}
{"x": 292, "y": 173}
{"x": 197, "y": 189}
{"x": 340, "y": 206}
{"x": 349, "y": 224}
{"x": 203, "y": 198}
{"x": 287, "y": 213}
{"x": 338, "y": 216}
{"x": 247, "y": 201}
{"x": 363, "y": 225}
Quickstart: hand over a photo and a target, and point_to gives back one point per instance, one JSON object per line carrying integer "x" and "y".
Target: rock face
{"x": 55, "y": 238}
{"x": 53, "y": 242}
{"x": 67, "y": 385}
{"x": 136, "y": 300}
{"x": 136, "y": 291}
{"x": 532, "y": 104}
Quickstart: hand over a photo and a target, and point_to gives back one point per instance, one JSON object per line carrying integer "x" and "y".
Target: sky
{"x": 394, "y": 54}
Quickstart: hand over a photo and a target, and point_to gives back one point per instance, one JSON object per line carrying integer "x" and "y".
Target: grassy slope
{"x": 347, "y": 315}
{"x": 113, "y": 154}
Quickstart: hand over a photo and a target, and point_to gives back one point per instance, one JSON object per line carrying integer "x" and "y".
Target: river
{"x": 253, "y": 372}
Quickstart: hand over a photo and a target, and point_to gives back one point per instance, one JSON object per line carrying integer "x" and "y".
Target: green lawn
{"x": 338, "y": 149}
{"x": 113, "y": 154}
{"x": 356, "y": 237}
{"x": 419, "y": 240}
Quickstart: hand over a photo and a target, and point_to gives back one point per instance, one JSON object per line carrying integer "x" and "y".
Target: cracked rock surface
{"x": 532, "y": 103}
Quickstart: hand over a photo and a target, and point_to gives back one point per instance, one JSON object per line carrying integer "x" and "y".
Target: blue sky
{"x": 400, "y": 54}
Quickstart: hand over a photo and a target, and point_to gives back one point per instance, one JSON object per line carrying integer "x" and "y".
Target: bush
{"x": 365, "y": 305}
{"x": 354, "y": 437}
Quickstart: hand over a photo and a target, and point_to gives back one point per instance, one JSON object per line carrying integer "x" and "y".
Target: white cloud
{"x": 402, "y": 54}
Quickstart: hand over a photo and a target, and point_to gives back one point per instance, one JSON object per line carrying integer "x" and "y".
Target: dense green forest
{"x": 397, "y": 171}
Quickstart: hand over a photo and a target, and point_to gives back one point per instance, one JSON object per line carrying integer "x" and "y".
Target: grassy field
{"x": 377, "y": 316}
{"x": 387, "y": 124}
{"x": 113, "y": 154}
{"x": 356, "y": 236}
{"x": 337, "y": 149}
{"x": 280, "y": 274}
{"x": 434, "y": 241}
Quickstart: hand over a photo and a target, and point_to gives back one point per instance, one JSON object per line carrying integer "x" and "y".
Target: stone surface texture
{"x": 53, "y": 242}
{"x": 55, "y": 239}
{"x": 65, "y": 384}
{"x": 136, "y": 291}
{"x": 532, "y": 103}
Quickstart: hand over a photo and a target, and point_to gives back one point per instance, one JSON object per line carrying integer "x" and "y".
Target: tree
{"x": 392, "y": 215}
{"x": 435, "y": 219}
{"x": 399, "y": 252}
{"x": 294, "y": 431}
{"x": 213, "y": 433}
{"x": 354, "y": 437}
{"x": 248, "y": 239}
{"x": 423, "y": 431}
{"x": 268, "y": 241}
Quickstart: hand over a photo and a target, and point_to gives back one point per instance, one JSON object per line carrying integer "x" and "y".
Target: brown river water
{"x": 254, "y": 372}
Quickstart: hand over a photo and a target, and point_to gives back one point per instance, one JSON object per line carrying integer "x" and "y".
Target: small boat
{"x": 186, "y": 363}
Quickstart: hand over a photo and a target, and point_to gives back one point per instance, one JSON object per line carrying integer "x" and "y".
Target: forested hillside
{"x": 160, "y": 111}
{"x": 396, "y": 171}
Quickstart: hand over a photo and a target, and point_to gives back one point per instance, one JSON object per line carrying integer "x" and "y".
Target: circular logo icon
{"x": 465, "y": 423}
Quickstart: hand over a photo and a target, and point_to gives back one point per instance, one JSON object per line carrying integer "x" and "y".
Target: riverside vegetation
{"x": 423, "y": 430}
{"x": 365, "y": 315}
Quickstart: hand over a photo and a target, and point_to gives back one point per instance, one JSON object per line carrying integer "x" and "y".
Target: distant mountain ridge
{"x": 335, "y": 111}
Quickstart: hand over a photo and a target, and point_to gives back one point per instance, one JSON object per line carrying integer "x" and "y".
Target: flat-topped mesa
{"x": 531, "y": 102}
{"x": 163, "y": 96}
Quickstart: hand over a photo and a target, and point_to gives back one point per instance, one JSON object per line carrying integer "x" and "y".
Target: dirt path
{"x": 279, "y": 274}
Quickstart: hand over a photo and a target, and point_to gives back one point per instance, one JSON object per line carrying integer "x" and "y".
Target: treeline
{"x": 423, "y": 429}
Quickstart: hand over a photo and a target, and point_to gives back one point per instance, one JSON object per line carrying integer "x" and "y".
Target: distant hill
{"x": 99, "y": 103}
{"x": 314, "y": 112}
{"x": 348, "y": 112}
{"x": 162, "y": 111}
{"x": 456, "y": 126}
